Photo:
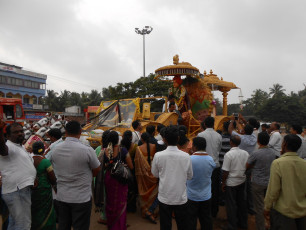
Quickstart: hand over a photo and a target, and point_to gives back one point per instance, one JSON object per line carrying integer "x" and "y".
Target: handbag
{"x": 120, "y": 171}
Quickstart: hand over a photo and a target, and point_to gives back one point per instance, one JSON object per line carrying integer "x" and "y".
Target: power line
{"x": 70, "y": 81}
{"x": 64, "y": 79}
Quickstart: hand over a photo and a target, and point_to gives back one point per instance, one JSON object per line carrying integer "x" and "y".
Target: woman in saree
{"x": 100, "y": 151}
{"x": 116, "y": 192}
{"x": 43, "y": 214}
{"x": 147, "y": 183}
{"x": 126, "y": 142}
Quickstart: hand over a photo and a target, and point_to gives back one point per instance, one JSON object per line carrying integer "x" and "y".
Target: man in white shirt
{"x": 18, "y": 175}
{"x": 275, "y": 138}
{"x": 213, "y": 148}
{"x": 75, "y": 164}
{"x": 55, "y": 136}
{"x": 233, "y": 184}
{"x": 158, "y": 137}
{"x": 173, "y": 168}
{"x": 137, "y": 131}
{"x": 171, "y": 98}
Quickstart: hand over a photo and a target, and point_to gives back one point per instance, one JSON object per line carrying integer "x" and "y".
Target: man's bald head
{"x": 235, "y": 141}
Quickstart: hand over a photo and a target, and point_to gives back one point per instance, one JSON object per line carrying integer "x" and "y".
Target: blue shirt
{"x": 248, "y": 142}
{"x": 199, "y": 187}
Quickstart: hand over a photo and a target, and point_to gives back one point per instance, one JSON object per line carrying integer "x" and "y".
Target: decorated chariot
{"x": 193, "y": 95}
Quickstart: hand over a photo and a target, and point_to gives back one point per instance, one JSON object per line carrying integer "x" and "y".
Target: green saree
{"x": 43, "y": 214}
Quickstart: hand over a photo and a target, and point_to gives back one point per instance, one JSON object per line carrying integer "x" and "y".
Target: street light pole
{"x": 144, "y": 56}
{"x": 143, "y": 32}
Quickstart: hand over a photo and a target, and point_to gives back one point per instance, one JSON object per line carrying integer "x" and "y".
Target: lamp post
{"x": 240, "y": 99}
{"x": 145, "y": 30}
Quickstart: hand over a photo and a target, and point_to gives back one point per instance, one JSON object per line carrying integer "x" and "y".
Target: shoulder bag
{"x": 120, "y": 171}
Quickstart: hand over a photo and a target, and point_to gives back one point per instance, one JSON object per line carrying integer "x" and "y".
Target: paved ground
{"x": 136, "y": 222}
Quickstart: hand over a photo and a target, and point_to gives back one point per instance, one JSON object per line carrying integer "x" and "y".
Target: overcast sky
{"x": 91, "y": 44}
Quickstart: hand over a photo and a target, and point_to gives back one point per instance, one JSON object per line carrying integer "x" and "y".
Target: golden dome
{"x": 215, "y": 83}
{"x": 178, "y": 68}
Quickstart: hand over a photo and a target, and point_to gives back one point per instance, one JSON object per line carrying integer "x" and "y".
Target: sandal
{"x": 150, "y": 217}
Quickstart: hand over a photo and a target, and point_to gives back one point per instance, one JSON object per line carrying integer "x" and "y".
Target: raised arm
{"x": 231, "y": 126}
{"x": 242, "y": 119}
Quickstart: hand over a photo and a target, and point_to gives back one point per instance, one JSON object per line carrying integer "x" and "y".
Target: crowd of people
{"x": 252, "y": 169}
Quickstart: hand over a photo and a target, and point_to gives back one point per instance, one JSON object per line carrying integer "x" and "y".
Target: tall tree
{"x": 75, "y": 99}
{"x": 51, "y": 100}
{"x": 94, "y": 97}
{"x": 63, "y": 100}
{"x": 277, "y": 90}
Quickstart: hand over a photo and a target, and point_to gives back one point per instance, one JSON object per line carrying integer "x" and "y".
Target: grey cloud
{"x": 252, "y": 43}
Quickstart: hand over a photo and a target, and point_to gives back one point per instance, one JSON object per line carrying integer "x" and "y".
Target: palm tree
{"x": 277, "y": 90}
{"x": 51, "y": 100}
{"x": 64, "y": 100}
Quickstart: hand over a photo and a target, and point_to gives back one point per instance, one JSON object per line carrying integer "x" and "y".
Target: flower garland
{"x": 180, "y": 93}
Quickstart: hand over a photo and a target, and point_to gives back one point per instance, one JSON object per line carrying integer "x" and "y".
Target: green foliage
{"x": 143, "y": 87}
{"x": 277, "y": 90}
{"x": 275, "y": 106}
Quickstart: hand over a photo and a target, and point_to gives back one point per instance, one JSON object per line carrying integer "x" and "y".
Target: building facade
{"x": 15, "y": 82}
{"x": 18, "y": 83}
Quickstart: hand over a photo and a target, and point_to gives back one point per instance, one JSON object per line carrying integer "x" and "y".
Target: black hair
{"x": 297, "y": 128}
{"x": 264, "y": 125}
{"x": 182, "y": 134}
{"x": 209, "y": 122}
{"x": 263, "y": 138}
{"x": 159, "y": 127}
{"x": 277, "y": 125}
{"x": 248, "y": 129}
{"x": 105, "y": 139}
{"x": 225, "y": 126}
{"x": 56, "y": 133}
{"x": 146, "y": 138}
{"x": 113, "y": 137}
{"x": 127, "y": 139}
{"x": 162, "y": 132}
{"x": 38, "y": 148}
{"x": 203, "y": 125}
{"x": 150, "y": 129}
{"x": 252, "y": 121}
{"x": 235, "y": 139}
{"x": 135, "y": 124}
{"x": 9, "y": 127}
{"x": 171, "y": 103}
{"x": 73, "y": 127}
{"x": 199, "y": 143}
{"x": 172, "y": 135}
{"x": 293, "y": 142}
{"x": 170, "y": 97}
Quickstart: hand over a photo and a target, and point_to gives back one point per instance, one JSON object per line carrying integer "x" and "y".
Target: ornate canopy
{"x": 178, "y": 68}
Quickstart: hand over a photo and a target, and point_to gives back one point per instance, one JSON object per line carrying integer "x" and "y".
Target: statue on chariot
{"x": 194, "y": 94}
